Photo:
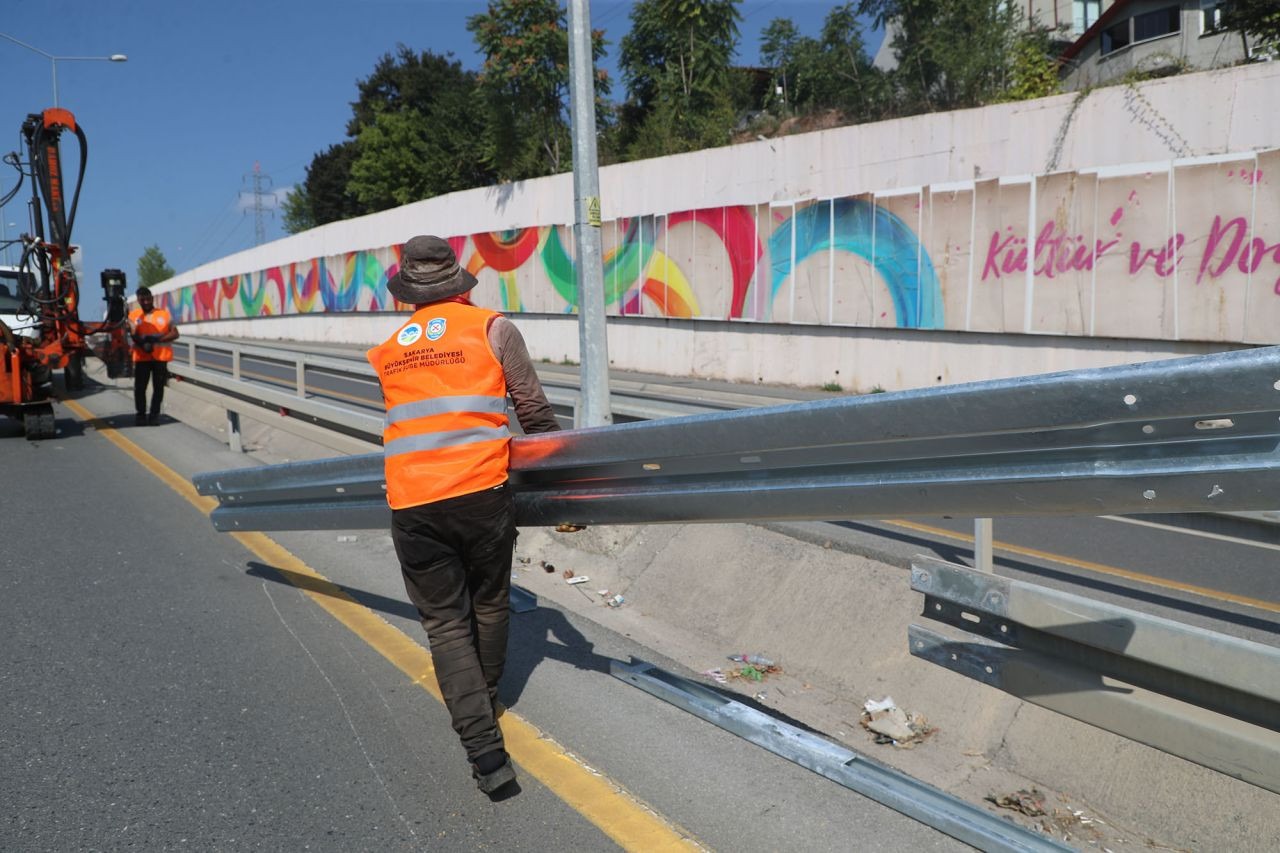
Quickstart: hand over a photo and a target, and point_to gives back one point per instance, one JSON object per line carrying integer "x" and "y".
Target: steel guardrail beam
{"x": 885, "y": 785}
{"x": 643, "y": 400}
{"x": 1191, "y": 435}
{"x": 280, "y": 398}
{"x": 1208, "y": 697}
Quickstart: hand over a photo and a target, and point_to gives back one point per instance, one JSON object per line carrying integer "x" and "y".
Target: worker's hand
{"x": 570, "y": 528}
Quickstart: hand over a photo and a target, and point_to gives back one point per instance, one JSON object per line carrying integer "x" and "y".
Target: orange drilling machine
{"x": 40, "y": 326}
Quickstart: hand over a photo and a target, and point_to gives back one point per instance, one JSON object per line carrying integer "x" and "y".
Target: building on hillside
{"x": 1103, "y": 40}
{"x": 1147, "y": 36}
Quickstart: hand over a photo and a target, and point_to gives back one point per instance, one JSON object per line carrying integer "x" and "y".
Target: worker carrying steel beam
{"x": 445, "y": 376}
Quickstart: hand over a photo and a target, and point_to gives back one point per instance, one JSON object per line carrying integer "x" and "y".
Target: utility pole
{"x": 261, "y": 185}
{"x": 593, "y": 345}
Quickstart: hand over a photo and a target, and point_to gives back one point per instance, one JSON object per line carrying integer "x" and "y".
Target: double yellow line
{"x": 630, "y": 823}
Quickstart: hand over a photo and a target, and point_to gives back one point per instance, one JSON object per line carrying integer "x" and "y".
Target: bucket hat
{"x": 429, "y": 272}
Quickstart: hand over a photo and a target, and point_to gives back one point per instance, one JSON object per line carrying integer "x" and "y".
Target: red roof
{"x": 1104, "y": 20}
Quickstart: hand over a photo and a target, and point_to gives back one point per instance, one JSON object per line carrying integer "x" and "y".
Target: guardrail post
{"x": 982, "y": 535}
{"x": 302, "y": 377}
{"x": 191, "y": 353}
{"x": 235, "y": 363}
{"x": 233, "y": 432}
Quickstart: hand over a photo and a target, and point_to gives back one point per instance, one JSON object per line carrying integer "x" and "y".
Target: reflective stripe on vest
{"x": 446, "y": 432}
{"x": 442, "y": 405}
{"x": 437, "y": 440}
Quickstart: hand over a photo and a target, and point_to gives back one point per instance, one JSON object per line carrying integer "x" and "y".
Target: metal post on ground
{"x": 982, "y": 535}
{"x": 233, "y": 432}
{"x": 592, "y": 342}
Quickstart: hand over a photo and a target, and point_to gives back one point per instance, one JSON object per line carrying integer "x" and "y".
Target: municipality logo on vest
{"x": 409, "y": 334}
{"x": 435, "y": 329}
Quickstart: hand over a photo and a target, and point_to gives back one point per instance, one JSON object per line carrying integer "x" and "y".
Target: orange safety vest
{"x": 446, "y": 429}
{"x": 156, "y": 323}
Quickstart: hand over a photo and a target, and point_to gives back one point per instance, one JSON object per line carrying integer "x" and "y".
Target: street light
{"x": 115, "y": 57}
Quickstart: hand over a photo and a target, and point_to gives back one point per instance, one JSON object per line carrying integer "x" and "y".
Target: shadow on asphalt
{"x": 536, "y": 635}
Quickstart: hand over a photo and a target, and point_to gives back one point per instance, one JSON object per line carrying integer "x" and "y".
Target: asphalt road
{"x": 163, "y": 687}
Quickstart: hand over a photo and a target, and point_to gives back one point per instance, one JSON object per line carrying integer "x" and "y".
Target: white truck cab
{"x": 20, "y": 322}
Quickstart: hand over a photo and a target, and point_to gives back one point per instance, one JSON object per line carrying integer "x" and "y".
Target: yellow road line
{"x": 1100, "y": 568}
{"x": 619, "y": 815}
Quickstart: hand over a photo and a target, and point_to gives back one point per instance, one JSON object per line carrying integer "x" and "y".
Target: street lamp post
{"x": 115, "y": 57}
{"x": 593, "y": 343}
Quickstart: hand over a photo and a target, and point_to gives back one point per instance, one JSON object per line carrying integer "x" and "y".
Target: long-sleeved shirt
{"x": 532, "y": 409}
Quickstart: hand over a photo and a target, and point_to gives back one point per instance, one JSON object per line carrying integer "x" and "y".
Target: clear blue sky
{"x": 213, "y": 86}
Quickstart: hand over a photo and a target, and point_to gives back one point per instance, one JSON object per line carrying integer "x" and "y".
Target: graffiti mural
{"x": 1192, "y": 252}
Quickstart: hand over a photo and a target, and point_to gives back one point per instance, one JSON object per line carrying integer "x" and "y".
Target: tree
{"x": 951, "y": 53}
{"x": 1259, "y": 19}
{"x": 676, "y": 61}
{"x": 418, "y": 133}
{"x": 1033, "y": 70}
{"x": 414, "y": 133}
{"x": 152, "y": 267}
{"x": 405, "y": 157}
{"x": 831, "y": 72}
{"x": 525, "y": 85}
{"x": 323, "y": 195}
{"x": 780, "y": 47}
{"x": 406, "y": 81}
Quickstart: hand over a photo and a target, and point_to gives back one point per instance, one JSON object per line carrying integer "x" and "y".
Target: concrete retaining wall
{"x": 1137, "y": 213}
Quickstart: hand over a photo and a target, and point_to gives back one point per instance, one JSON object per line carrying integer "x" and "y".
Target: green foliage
{"x": 413, "y": 153}
{"x": 422, "y": 125}
{"x": 830, "y": 72}
{"x": 1259, "y": 19}
{"x": 832, "y": 386}
{"x": 153, "y": 268}
{"x": 676, "y": 61}
{"x": 525, "y": 85}
{"x": 323, "y": 195}
{"x": 297, "y": 211}
{"x": 407, "y": 81}
{"x": 1033, "y": 71}
{"x": 951, "y": 53}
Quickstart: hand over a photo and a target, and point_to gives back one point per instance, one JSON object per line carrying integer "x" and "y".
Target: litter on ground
{"x": 891, "y": 724}
{"x": 754, "y": 660}
{"x": 1029, "y": 803}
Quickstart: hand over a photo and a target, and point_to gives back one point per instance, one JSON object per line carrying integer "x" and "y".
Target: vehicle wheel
{"x": 38, "y": 422}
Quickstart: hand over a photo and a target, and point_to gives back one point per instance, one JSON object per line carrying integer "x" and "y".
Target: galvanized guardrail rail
{"x": 1188, "y": 435}
{"x": 301, "y": 399}
{"x": 1207, "y": 697}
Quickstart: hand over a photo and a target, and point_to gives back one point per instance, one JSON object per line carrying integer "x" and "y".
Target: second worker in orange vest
{"x": 445, "y": 376}
{"x": 152, "y": 330}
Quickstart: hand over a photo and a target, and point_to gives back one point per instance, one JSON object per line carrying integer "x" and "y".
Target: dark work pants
{"x": 455, "y": 555}
{"x": 155, "y": 371}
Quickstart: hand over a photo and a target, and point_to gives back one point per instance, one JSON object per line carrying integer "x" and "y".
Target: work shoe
{"x": 493, "y": 770}
{"x": 139, "y": 419}
{"x": 153, "y": 420}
